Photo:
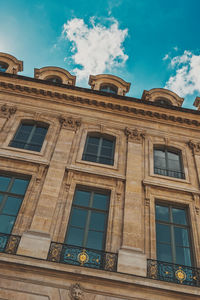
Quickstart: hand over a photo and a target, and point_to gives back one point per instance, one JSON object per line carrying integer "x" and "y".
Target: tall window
{"x": 3, "y": 67}
{"x": 168, "y": 162}
{"x": 99, "y": 149}
{"x": 88, "y": 219}
{"x": 30, "y": 136}
{"x": 108, "y": 88}
{"x": 12, "y": 191}
{"x": 172, "y": 235}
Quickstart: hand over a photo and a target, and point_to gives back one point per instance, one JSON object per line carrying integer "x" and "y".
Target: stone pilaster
{"x": 131, "y": 255}
{"x": 36, "y": 242}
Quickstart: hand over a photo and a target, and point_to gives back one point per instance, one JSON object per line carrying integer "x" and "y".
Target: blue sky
{"x": 150, "y": 43}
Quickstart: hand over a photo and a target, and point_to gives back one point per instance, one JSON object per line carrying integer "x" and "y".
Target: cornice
{"x": 18, "y": 88}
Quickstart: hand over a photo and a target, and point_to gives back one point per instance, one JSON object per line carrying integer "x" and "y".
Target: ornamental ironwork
{"x": 84, "y": 257}
{"x": 175, "y": 273}
{"x": 9, "y": 243}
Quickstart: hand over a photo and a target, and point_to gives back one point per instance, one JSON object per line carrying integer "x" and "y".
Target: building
{"x": 99, "y": 192}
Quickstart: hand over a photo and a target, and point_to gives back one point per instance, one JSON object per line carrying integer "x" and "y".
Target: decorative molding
{"x": 134, "y": 135}
{"x": 98, "y": 103}
{"x": 7, "y": 111}
{"x": 197, "y": 210}
{"x": 76, "y": 292}
{"x": 70, "y": 123}
{"x": 40, "y": 173}
{"x": 195, "y": 147}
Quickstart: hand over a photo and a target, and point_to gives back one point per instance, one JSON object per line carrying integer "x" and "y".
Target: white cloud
{"x": 186, "y": 80}
{"x": 97, "y": 48}
{"x": 166, "y": 57}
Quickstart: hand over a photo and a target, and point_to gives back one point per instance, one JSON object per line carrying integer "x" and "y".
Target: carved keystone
{"x": 134, "y": 135}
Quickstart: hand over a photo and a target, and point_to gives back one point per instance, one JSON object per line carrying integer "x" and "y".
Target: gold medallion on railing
{"x": 180, "y": 275}
{"x": 83, "y": 257}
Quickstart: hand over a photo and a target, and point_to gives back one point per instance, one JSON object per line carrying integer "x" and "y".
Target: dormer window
{"x": 3, "y": 67}
{"x": 54, "y": 79}
{"x": 163, "y": 101}
{"x": 108, "y": 88}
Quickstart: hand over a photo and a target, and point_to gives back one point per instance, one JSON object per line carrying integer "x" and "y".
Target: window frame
{"x": 98, "y": 156}
{"x": 167, "y": 171}
{"x": 113, "y": 89}
{"x": 172, "y": 225}
{"x": 89, "y": 210}
{"x": 27, "y": 143}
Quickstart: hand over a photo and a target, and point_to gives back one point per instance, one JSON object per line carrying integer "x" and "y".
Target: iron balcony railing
{"x": 170, "y": 173}
{"x": 78, "y": 256}
{"x": 173, "y": 272}
{"x": 9, "y": 243}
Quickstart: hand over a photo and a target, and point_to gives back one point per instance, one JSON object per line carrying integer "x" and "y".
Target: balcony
{"x": 78, "y": 256}
{"x": 170, "y": 173}
{"x": 9, "y": 243}
{"x": 170, "y": 272}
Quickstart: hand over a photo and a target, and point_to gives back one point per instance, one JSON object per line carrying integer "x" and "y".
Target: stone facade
{"x": 58, "y": 168}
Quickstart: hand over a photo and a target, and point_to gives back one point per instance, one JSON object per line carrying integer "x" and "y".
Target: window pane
{"x": 97, "y": 221}
{"x": 163, "y": 233}
{"x": 95, "y": 240}
{"x": 82, "y": 198}
{"x": 181, "y": 236}
{"x": 12, "y": 206}
{"x": 100, "y": 201}
{"x": 183, "y": 256}
{"x": 1, "y": 198}
{"x": 92, "y": 149}
{"x": 107, "y": 161}
{"x": 40, "y": 131}
{"x": 179, "y": 216}
{"x": 75, "y": 236}
{"x": 4, "y": 183}
{"x": 78, "y": 217}
{"x": 159, "y": 159}
{"x": 173, "y": 161}
{"x": 107, "y": 143}
{"x": 6, "y": 223}
{"x": 21, "y": 136}
{"x": 19, "y": 186}
{"x": 93, "y": 140}
{"x": 106, "y": 151}
{"x": 162, "y": 213}
{"x": 164, "y": 252}
{"x": 26, "y": 128}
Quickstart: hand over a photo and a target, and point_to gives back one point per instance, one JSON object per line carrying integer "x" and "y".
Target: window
{"x": 3, "y": 67}
{"x": 99, "y": 149}
{"x": 172, "y": 235}
{"x": 88, "y": 219}
{"x": 54, "y": 79}
{"x": 163, "y": 101}
{"x": 108, "y": 88}
{"x": 168, "y": 162}
{"x": 30, "y": 136}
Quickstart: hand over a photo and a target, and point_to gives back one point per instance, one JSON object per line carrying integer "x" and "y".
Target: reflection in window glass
{"x": 88, "y": 219}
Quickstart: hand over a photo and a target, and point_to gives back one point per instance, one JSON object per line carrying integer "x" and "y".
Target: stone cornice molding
{"x": 25, "y": 90}
{"x": 134, "y": 135}
{"x": 6, "y": 111}
{"x": 194, "y": 146}
{"x": 69, "y": 123}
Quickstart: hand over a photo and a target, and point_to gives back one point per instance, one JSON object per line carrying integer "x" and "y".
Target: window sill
{"x": 90, "y": 163}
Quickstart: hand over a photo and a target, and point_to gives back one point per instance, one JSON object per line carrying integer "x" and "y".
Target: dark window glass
{"x": 163, "y": 101}
{"x": 172, "y": 235}
{"x": 88, "y": 219}
{"x": 29, "y": 136}
{"x": 168, "y": 163}
{"x": 3, "y": 67}
{"x": 54, "y": 79}
{"x": 99, "y": 149}
{"x": 108, "y": 88}
{"x": 12, "y": 191}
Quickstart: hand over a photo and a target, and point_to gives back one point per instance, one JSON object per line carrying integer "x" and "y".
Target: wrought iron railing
{"x": 9, "y": 243}
{"x": 170, "y": 173}
{"x": 79, "y": 256}
{"x": 173, "y": 272}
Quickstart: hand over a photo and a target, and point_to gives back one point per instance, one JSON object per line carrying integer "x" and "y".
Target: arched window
{"x": 3, "y": 67}
{"x": 30, "y": 136}
{"x": 108, "y": 88}
{"x": 99, "y": 148}
{"x": 163, "y": 101}
{"x": 54, "y": 79}
{"x": 168, "y": 162}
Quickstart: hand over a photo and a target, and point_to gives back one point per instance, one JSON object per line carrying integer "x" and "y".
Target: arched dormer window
{"x": 30, "y": 135}
{"x": 163, "y": 101}
{"x": 54, "y": 79}
{"x": 168, "y": 162}
{"x": 99, "y": 148}
{"x": 108, "y": 88}
{"x": 3, "y": 66}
